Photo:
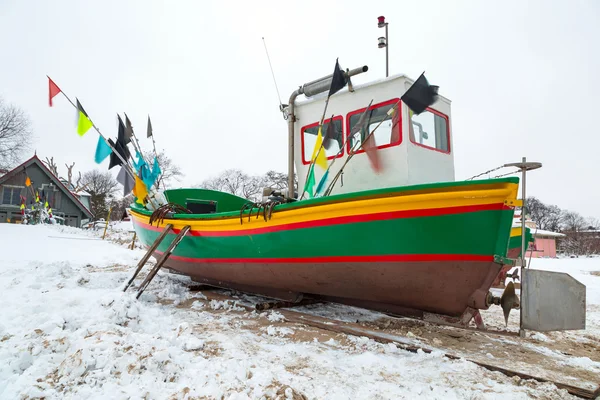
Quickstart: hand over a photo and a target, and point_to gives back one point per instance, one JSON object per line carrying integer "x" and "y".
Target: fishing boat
{"x": 394, "y": 233}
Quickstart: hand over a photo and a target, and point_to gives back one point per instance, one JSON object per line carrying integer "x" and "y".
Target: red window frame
{"x": 313, "y": 125}
{"x": 435, "y": 112}
{"x": 378, "y": 105}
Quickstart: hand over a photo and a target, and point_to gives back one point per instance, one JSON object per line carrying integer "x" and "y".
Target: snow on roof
{"x": 540, "y": 232}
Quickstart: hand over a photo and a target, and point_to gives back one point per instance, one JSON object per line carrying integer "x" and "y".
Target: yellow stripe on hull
{"x": 515, "y": 232}
{"x": 402, "y": 201}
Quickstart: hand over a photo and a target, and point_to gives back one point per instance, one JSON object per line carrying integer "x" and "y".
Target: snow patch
{"x": 279, "y": 331}
{"x": 275, "y": 316}
{"x": 225, "y": 305}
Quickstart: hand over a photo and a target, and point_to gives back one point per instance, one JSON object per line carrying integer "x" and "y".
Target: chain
{"x": 485, "y": 173}
{"x": 492, "y": 170}
{"x": 510, "y": 173}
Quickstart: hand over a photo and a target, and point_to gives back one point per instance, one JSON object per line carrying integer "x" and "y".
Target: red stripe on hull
{"x": 338, "y": 259}
{"x": 343, "y": 220}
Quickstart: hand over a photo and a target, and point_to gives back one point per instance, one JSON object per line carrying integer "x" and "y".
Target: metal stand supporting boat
{"x": 162, "y": 260}
{"x": 149, "y": 253}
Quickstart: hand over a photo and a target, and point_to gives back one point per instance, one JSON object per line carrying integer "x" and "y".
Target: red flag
{"x": 53, "y": 90}
{"x": 370, "y": 147}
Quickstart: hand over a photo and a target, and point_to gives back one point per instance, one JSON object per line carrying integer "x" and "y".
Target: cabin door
{"x": 3, "y": 217}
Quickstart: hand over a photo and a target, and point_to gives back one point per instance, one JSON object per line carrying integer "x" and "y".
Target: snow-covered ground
{"x": 68, "y": 331}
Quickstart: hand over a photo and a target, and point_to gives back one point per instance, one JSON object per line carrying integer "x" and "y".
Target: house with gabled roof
{"x": 64, "y": 202}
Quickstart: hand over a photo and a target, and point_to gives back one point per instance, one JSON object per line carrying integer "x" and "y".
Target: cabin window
{"x": 11, "y": 195}
{"x": 430, "y": 129}
{"x": 387, "y": 134}
{"x": 309, "y": 139}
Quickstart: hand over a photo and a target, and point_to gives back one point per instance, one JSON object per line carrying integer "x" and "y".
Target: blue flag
{"x": 156, "y": 172}
{"x": 139, "y": 163}
{"x": 321, "y": 184}
{"x": 143, "y": 171}
{"x": 103, "y": 150}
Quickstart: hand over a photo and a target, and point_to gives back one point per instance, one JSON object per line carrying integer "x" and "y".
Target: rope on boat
{"x": 170, "y": 208}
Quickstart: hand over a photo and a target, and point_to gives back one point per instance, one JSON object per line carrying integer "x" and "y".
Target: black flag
{"x": 361, "y": 121}
{"x": 126, "y": 180}
{"x": 120, "y": 147}
{"x": 420, "y": 95}
{"x": 330, "y": 134}
{"x": 338, "y": 81}
{"x": 128, "y": 129}
{"x": 149, "y": 133}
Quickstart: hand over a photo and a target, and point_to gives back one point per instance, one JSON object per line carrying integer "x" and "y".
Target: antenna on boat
{"x": 281, "y": 106}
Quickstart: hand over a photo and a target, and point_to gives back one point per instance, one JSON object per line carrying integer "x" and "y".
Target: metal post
{"x": 524, "y": 166}
{"x": 384, "y": 43}
{"x": 387, "y": 46}
{"x": 133, "y": 241}
{"x": 524, "y": 173}
{"x": 523, "y": 231}
{"x": 309, "y": 89}
{"x": 106, "y": 226}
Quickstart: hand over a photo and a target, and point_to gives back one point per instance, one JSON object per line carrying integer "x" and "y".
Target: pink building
{"x": 544, "y": 244}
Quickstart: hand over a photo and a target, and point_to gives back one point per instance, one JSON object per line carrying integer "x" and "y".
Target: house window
{"x": 386, "y": 135}
{"x": 52, "y": 195}
{"x": 430, "y": 129}
{"x": 309, "y": 139}
{"x": 11, "y": 195}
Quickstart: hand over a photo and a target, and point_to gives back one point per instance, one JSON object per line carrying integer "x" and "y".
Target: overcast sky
{"x": 522, "y": 76}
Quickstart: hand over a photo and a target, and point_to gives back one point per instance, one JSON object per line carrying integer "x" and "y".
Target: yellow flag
{"x": 84, "y": 124}
{"x": 139, "y": 190}
{"x": 319, "y": 157}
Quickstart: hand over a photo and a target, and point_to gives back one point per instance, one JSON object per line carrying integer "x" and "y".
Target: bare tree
{"x": 250, "y": 187}
{"x": 278, "y": 180}
{"x": 169, "y": 170}
{"x": 236, "y": 182}
{"x": 70, "y": 174}
{"x": 593, "y": 224}
{"x": 15, "y": 134}
{"x": 101, "y": 186}
{"x": 575, "y": 242}
{"x": 78, "y": 186}
{"x": 546, "y": 217}
{"x": 581, "y": 238}
{"x": 51, "y": 165}
{"x": 573, "y": 222}
{"x": 119, "y": 207}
